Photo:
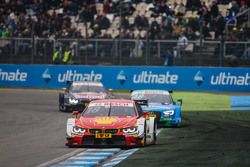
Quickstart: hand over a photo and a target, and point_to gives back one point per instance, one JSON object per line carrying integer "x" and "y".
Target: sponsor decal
{"x": 46, "y": 75}
{"x": 103, "y": 135}
{"x": 151, "y": 92}
{"x": 73, "y": 75}
{"x": 84, "y": 96}
{"x": 84, "y": 84}
{"x": 105, "y": 120}
{"x": 13, "y": 76}
{"x": 121, "y": 77}
{"x": 108, "y": 104}
{"x": 148, "y": 77}
{"x": 228, "y": 79}
{"x": 198, "y": 78}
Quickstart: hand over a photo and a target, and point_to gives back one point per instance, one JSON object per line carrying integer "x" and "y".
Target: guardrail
{"x": 124, "y": 52}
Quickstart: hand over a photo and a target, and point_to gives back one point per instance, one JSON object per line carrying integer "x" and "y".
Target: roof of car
{"x": 97, "y": 83}
{"x": 88, "y": 81}
{"x": 113, "y": 100}
{"x": 151, "y": 91}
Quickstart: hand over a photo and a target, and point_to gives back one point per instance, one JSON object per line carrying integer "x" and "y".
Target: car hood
{"x": 161, "y": 107}
{"x": 91, "y": 122}
{"x": 89, "y": 95}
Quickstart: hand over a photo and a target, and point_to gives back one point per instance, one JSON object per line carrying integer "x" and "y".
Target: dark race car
{"x": 80, "y": 93}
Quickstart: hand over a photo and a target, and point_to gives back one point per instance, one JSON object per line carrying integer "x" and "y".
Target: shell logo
{"x": 105, "y": 120}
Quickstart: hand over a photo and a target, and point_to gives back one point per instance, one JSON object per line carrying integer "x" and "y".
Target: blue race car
{"x": 160, "y": 103}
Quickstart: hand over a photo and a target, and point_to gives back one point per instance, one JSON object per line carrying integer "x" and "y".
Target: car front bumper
{"x": 166, "y": 122}
{"x": 116, "y": 140}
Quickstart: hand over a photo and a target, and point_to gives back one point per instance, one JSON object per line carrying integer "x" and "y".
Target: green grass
{"x": 207, "y": 139}
{"x": 199, "y": 101}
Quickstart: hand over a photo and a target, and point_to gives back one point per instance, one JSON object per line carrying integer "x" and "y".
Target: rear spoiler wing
{"x": 142, "y": 102}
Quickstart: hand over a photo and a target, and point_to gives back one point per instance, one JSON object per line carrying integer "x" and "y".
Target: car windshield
{"x": 109, "y": 109}
{"x": 153, "y": 98}
{"x": 85, "y": 88}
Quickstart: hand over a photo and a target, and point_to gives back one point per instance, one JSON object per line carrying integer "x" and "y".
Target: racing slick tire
{"x": 179, "y": 125}
{"x": 62, "y": 108}
{"x": 154, "y": 134}
{"x": 145, "y": 135}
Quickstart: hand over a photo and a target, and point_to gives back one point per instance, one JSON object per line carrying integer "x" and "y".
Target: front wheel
{"x": 179, "y": 125}
{"x": 63, "y": 108}
{"x": 145, "y": 135}
{"x": 154, "y": 133}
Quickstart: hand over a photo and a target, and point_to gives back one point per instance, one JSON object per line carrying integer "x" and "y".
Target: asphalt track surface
{"x": 32, "y": 132}
{"x": 31, "y": 127}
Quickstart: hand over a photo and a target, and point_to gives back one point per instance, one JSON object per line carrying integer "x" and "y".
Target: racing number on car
{"x": 152, "y": 115}
{"x": 103, "y": 135}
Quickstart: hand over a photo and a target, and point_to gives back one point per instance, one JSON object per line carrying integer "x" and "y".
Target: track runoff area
{"x": 92, "y": 157}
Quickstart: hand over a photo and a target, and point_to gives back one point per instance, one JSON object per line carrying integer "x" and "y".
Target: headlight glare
{"x": 73, "y": 101}
{"x": 78, "y": 129}
{"x": 169, "y": 113}
{"x": 130, "y": 129}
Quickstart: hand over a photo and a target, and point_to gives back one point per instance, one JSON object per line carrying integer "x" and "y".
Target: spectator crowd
{"x": 155, "y": 19}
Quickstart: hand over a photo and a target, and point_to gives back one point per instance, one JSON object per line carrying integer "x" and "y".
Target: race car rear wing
{"x": 142, "y": 102}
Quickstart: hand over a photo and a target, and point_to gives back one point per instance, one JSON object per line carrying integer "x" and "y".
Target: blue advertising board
{"x": 128, "y": 77}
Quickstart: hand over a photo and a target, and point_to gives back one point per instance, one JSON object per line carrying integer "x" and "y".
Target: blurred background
{"x": 127, "y": 32}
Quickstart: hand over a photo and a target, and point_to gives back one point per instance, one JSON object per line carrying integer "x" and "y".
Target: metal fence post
{"x": 12, "y": 49}
{"x": 147, "y": 50}
{"x": 116, "y": 48}
{"x": 96, "y": 47}
{"x": 45, "y": 54}
{"x": 222, "y": 51}
{"x": 159, "y": 48}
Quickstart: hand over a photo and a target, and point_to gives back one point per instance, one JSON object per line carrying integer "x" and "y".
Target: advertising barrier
{"x": 128, "y": 77}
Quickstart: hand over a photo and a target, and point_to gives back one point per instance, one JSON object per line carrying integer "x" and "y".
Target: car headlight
{"x": 130, "y": 129}
{"x": 77, "y": 129}
{"x": 169, "y": 113}
{"x": 73, "y": 101}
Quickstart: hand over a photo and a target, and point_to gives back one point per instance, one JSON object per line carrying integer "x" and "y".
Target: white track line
{"x": 81, "y": 152}
{"x": 123, "y": 156}
{"x": 57, "y": 160}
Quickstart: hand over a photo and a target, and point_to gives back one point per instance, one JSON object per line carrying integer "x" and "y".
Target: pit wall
{"x": 128, "y": 77}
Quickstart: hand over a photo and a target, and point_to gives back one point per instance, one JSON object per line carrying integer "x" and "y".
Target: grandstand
{"x": 128, "y": 32}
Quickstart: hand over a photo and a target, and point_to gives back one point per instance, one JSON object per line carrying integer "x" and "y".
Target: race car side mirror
{"x": 75, "y": 113}
{"x": 145, "y": 114}
{"x": 179, "y": 101}
{"x": 69, "y": 82}
{"x": 110, "y": 91}
{"x": 65, "y": 90}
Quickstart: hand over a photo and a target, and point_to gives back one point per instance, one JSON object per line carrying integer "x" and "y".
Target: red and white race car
{"x": 111, "y": 122}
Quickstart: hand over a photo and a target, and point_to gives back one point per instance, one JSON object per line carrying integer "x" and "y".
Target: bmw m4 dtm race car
{"x": 111, "y": 122}
{"x": 161, "y": 103}
{"x": 80, "y": 93}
